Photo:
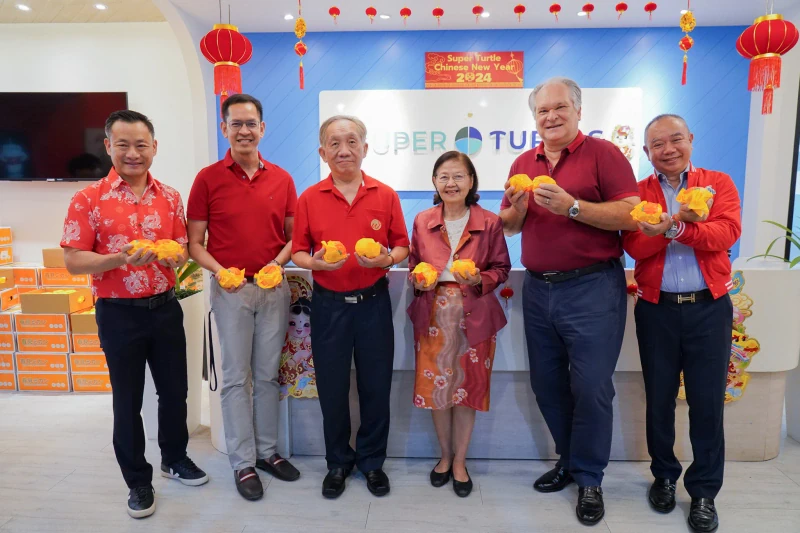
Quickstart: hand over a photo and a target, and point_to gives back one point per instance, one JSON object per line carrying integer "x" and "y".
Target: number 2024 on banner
{"x": 464, "y": 70}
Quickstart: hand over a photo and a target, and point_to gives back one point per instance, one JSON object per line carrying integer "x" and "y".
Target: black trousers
{"x": 341, "y": 331}
{"x": 694, "y": 338}
{"x": 131, "y": 337}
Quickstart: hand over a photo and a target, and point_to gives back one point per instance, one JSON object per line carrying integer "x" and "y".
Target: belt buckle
{"x": 689, "y": 299}
{"x": 548, "y": 275}
{"x": 354, "y": 299}
{"x": 155, "y": 302}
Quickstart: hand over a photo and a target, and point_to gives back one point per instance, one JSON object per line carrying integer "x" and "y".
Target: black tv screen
{"x": 55, "y": 136}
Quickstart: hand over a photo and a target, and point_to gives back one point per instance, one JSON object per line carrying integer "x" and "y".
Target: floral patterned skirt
{"x": 449, "y": 371}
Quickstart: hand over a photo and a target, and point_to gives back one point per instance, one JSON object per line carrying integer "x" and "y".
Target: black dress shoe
{"x": 333, "y": 484}
{"x": 703, "y": 515}
{"x": 248, "y": 484}
{"x": 462, "y": 488}
{"x": 554, "y": 480}
{"x": 662, "y": 495}
{"x": 279, "y": 467}
{"x": 439, "y": 479}
{"x": 377, "y": 482}
{"x": 590, "y": 509}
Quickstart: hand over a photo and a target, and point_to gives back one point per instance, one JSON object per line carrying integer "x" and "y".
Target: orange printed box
{"x": 9, "y": 298}
{"x": 41, "y": 362}
{"x": 25, "y": 275}
{"x": 88, "y": 362}
{"x": 6, "y": 322}
{"x": 55, "y": 301}
{"x": 8, "y": 381}
{"x": 60, "y": 277}
{"x": 43, "y": 342}
{"x": 6, "y": 362}
{"x": 91, "y": 383}
{"x": 36, "y": 323}
{"x": 86, "y": 343}
{"x": 7, "y": 280}
{"x": 44, "y": 382}
{"x": 6, "y": 237}
{"x": 6, "y": 255}
{"x": 6, "y": 342}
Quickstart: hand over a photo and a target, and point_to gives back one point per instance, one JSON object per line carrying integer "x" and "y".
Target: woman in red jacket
{"x": 457, "y": 317}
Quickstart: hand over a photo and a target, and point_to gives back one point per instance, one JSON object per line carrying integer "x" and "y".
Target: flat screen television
{"x": 55, "y": 136}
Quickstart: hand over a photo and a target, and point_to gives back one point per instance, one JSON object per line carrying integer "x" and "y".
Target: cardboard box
{"x": 9, "y": 298}
{"x": 6, "y": 237}
{"x": 43, "y": 343}
{"x": 60, "y": 277}
{"x": 6, "y": 255}
{"x": 84, "y": 363}
{"x": 7, "y": 278}
{"x": 6, "y": 362}
{"x": 56, "y": 301}
{"x": 41, "y": 362}
{"x": 44, "y": 382}
{"x": 8, "y": 381}
{"x": 41, "y": 323}
{"x": 91, "y": 383}
{"x": 6, "y": 322}
{"x": 6, "y": 342}
{"x": 24, "y": 274}
{"x": 83, "y": 322}
{"x": 86, "y": 343}
{"x": 53, "y": 258}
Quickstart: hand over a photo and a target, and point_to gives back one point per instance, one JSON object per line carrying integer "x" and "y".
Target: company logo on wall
{"x": 468, "y": 140}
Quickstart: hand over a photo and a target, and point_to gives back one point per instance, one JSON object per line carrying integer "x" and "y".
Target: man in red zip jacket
{"x": 684, "y": 316}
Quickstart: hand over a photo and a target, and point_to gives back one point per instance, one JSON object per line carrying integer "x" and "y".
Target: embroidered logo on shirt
{"x": 376, "y": 224}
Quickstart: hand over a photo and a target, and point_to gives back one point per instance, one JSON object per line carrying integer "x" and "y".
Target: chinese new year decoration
{"x": 519, "y": 10}
{"x": 477, "y": 11}
{"x": 506, "y": 293}
{"x": 371, "y": 13}
{"x": 438, "y": 12}
{"x": 405, "y": 13}
{"x": 649, "y": 7}
{"x": 588, "y": 8}
{"x": 515, "y": 67}
{"x": 688, "y": 23}
{"x": 621, "y": 8}
{"x": 300, "y": 48}
{"x": 763, "y": 43}
{"x": 334, "y": 12}
{"x": 227, "y": 49}
{"x": 555, "y": 9}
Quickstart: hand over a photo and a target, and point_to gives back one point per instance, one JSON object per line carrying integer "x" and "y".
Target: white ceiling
{"x": 74, "y": 11}
{"x": 267, "y": 15}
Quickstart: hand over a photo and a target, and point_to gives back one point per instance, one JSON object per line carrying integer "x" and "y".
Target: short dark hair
{"x": 472, "y": 196}
{"x": 242, "y": 99}
{"x": 130, "y": 117}
{"x": 659, "y": 117}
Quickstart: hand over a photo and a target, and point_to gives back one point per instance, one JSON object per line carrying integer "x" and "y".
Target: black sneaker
{"x": 185, "y": 471}
{"x": 141, "y": 502}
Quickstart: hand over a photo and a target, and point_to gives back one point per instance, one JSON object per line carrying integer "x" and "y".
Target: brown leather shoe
{"x": 248, "y": 484}
{"x": 279, "y": 467}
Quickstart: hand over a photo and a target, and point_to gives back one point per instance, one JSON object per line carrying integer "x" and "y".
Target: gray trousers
{"x": 252, "y": 329}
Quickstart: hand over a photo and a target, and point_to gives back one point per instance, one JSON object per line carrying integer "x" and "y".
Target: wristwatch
{"x": 575, "y": 210}
{"x": 672, "y": 232}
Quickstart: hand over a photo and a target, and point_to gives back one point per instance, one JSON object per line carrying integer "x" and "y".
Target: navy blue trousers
{"x": 694, "y": 338}
{"x": 341, "y": 332}
{"x": 574, "y": 333}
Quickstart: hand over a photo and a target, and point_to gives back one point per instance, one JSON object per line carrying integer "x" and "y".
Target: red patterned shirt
{"x": 106, "y": 216}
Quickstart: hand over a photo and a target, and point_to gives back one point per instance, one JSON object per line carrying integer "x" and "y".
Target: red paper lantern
{"x": 334, "y": 12}
{"x": 555, "y": 9}
{"x": 519, "y": 9}
{"x": 371, "y": 13}
{"x": 621, "y": 8}
{"x": 405, "y": 13}
{"x": 506, "y": 293}
{"x": 649, "y": 7}
{"x": 685, "y": 44}
{"x": 227, "y": 49}
{"x": 477, "y": 11}
{"x": 633, "y": 288}
{"x": 301, "y": 49}
{"x": 588, "y": 8}
{"x": 438, "y": 12}
{"x": 763, "y": 43}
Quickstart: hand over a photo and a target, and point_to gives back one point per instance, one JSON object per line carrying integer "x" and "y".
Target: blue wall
{"x": 715, "y": 102}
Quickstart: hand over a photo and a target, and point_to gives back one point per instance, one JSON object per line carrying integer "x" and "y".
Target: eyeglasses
{"x": 458, "y": 178}
{"x": 236, "y": 125}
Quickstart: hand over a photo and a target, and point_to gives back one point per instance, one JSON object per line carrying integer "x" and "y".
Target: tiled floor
{"x": 58, "y": 474}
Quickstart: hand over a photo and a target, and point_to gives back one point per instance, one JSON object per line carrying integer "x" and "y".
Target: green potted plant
{"x": 788, "y": 235}
{"x": 181, "y": 275}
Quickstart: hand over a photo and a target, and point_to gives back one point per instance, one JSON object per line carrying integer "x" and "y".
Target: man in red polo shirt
{"x": 574, "y": 299}
{"x": 138, "y": 318}
{"x": 351, "y": 312}
{"x": 246, "y": 205}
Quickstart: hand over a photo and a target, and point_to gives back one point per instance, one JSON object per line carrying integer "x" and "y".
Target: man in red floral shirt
{"x": 138, "y": 318}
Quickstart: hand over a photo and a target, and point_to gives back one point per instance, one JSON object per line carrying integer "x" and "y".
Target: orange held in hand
{"x": 539, "y": 180}
{"x": 649, "y": 212}
{"x": 230, "y": 278}
{"x": 696, "y": 198}
{"x": 147, "y": 244}
{"x": 424, "y": 272}
{"x": 168, "y": 249}
{"x": 464, "y": 267}
{"x": 269, "y": 277}
{"x": 368, "y": 248}
{"x": 520, "y": 182}
{"x": 334, "y": 251}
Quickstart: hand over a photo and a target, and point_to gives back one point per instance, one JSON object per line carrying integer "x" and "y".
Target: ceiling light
{"x": 581, "y": 13}
{"x": 684, "y": 11}
{"x": 485, "y": 14}
{"x": 384, "y": 17}
{"x": 23, "y": 7}
{"x": 288, "y": 16}
{"x": 101, "y": 7}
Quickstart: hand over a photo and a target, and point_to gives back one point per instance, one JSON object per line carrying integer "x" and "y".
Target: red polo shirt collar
{"x": 366, "y": 181}
{"x": 570, "y": 148}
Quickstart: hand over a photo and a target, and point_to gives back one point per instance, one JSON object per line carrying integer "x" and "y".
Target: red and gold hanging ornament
{"x": 621, "y": 8}
{"x": 477, "y": 11}
{"x": 555, "y": 9}
{"x": 334, "y": 12}
{"x": 371, "y": 13}
{"x": 763, "y": 43}
{"x": 588, "y": 8}
{"x": 438, "y": 12}
{"x": 405, "y": 13}
{"x": 300, "y": 48}
{"x": 227, "y": 49}
{"x": 519, "y": 9}
{"x": 506, "y": 293}
{"x": 688, "y": 23}
{"x": 649, "y": 7}
{"x": 514, "y": 66}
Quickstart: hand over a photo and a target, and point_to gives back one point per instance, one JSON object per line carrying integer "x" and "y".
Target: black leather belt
{"x": 559, "y": 276}
{"x": 153, "y": 302}
{"x": 686, "y": 297}
{"x": 353, "y": 297}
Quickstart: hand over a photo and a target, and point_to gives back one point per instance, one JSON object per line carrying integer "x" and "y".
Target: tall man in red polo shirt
{"x": 246, "y": 204}
{"x": 574, "y": 299}
{"x": 138, "y": 318}
{"x": 683, "y": 316}
{"x": 351, "y": 313}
